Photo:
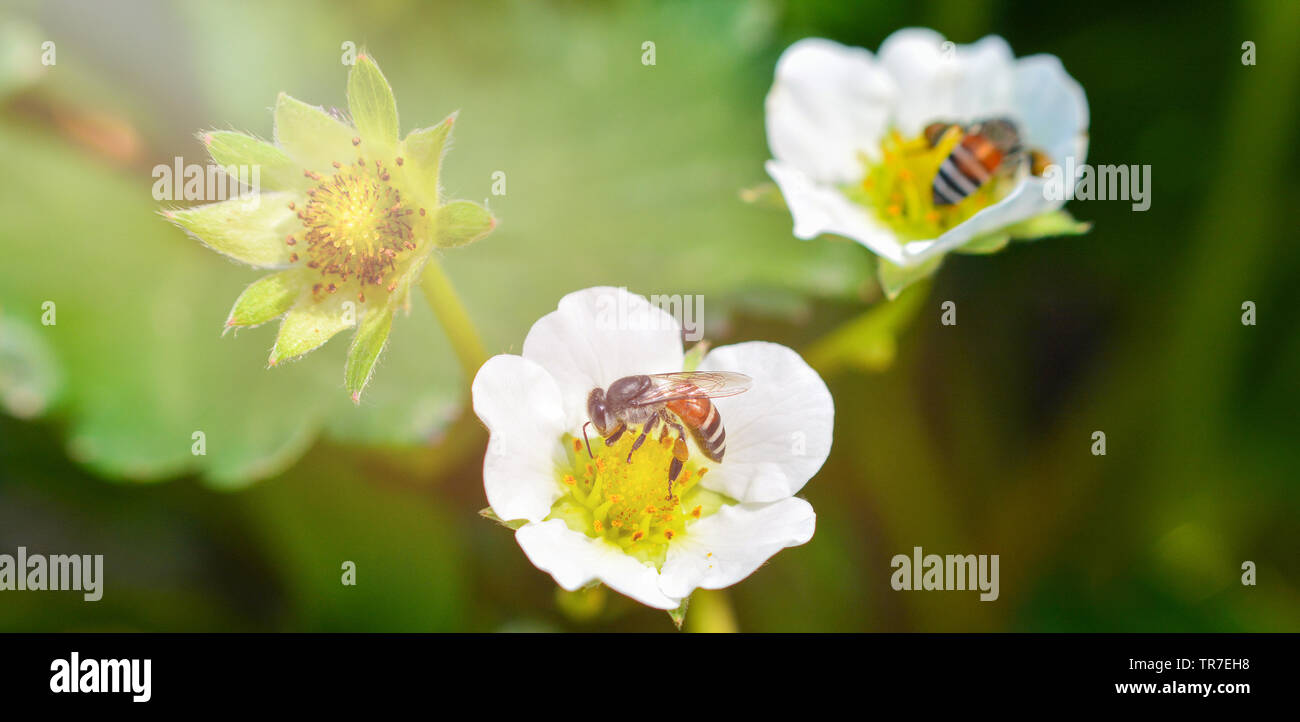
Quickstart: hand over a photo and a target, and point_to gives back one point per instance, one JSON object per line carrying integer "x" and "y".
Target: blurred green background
{"x": 967, "y": 439}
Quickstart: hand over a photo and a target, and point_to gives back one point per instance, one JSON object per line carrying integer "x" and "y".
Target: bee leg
{"x": 649, "y": 425}
{"x": 674, "y": 469}
{"x": 614, "y": 437}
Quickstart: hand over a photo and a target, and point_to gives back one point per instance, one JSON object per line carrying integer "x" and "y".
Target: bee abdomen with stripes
{"x": 973, "y": 161}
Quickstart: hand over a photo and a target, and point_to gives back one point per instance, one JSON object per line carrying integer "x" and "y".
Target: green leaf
{"x": 985, "y": 244}
{"x": 893, "y": 279}
{"x": 251, "y": 230}
{"x": 312, "y": 137}
{"x": 1043, "y": 225}
{"x": 267, "y": 298}
{"x": 487, "y": 513}
{"x": 366, "y": 347}
{"x": 374, "y": 110}
{"x": 423, "y": 150}
{"x": 310, "y": 324}
{"x": 460, "y": 223}
{"x": 276, "y": 170}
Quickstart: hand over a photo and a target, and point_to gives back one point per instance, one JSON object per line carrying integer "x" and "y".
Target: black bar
{"x": 933, "y": 671}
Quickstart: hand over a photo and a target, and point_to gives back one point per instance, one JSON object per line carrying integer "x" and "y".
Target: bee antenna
{"x": 584, "y": 438}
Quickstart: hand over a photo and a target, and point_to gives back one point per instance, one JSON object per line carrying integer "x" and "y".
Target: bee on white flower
{"x": 852, "y": 155}
{"x": 606, "y": 514}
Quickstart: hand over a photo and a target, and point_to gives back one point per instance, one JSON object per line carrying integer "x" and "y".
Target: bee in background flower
{"x": 987, "y": 148}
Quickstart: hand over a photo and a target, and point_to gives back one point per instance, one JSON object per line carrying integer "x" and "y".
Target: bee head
{"x": 1002, "y": 132}
{"x": 598, "y": 412}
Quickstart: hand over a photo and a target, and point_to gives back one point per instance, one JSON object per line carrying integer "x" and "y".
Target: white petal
{"x": 724, "y": 548}
{"x": 597, "y": 336}
{"x": 819, "y": 209}
{"x": 779, "y": 431}
{"x": 828, "y": 103}
{"x": 960, "y": 83}
{"x": 520, "y": 404}
{"x": 1052, "y": 107}
{"x": 575, "y": 560}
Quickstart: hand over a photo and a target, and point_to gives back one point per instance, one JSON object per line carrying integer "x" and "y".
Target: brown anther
{"x": 356, "y": 141}
{"x": 292, "y": 205}
{"x": 399, "y": 160}
{"x": 332, "y": 288}
{"x": 421, "y": 211}
{"x": 293, "y": 258}
{"x": 337, "y": 164}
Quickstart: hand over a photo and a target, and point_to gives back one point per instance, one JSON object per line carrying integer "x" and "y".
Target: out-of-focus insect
{"x": 987, "y": 147}
{"x": 649, "y": 399}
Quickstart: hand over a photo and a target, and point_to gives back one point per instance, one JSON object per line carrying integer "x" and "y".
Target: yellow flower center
{"x": 898, "y": 187}
{"x": 628, "y": 504}
{"x": 356, "y": 227}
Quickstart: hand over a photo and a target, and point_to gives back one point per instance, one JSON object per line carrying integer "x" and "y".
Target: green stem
{"x": 447, "y": 306}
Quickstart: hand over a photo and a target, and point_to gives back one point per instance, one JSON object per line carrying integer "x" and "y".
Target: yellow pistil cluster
{"x": 355, "y": 227}
{"x": 628, "y": 503}
{"x": 897, "y": 187}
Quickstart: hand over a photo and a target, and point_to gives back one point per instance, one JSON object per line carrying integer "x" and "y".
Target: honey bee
{"x": 679, "y": 400}
{"x": 987, "y": 148}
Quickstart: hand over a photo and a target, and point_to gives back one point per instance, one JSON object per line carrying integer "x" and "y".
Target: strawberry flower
{"x": 348, "y": 215}
{"x": 587, "y": 519}
{"x": 850, "y": 155}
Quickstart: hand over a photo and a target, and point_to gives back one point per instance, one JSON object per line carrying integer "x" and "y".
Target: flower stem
{"x": 447, "y": 306}
{"x": 711, "y": 611}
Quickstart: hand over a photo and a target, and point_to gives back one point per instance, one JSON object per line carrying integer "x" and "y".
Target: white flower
{"x": 585, "y": 520}
{"x": 839, "y": 117}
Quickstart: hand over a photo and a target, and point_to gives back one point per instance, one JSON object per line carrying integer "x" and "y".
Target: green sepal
{"x": 678, "y": 615}
{"x": 308, "y": 325}
{"x": 460, "y": 223}
{"x": 367, "y": 344}
{"x": 277, "y": 171}
{"x": 267, "y": 298}
{"x": 692, "y": 359}
{"x": 893, "y": 279}
{"x": 487, "y": 513}
{"x": 311, "y": 136}
{"x": 250, "y": 230}
{"x": 423, "y": 151}
{"x": 370, "y": 99}
{"x": 985, "y": 244}
{"x": 1044, "y": 225}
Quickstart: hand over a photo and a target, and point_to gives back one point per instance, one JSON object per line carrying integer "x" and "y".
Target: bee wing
{"x": 693, "y": 385}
